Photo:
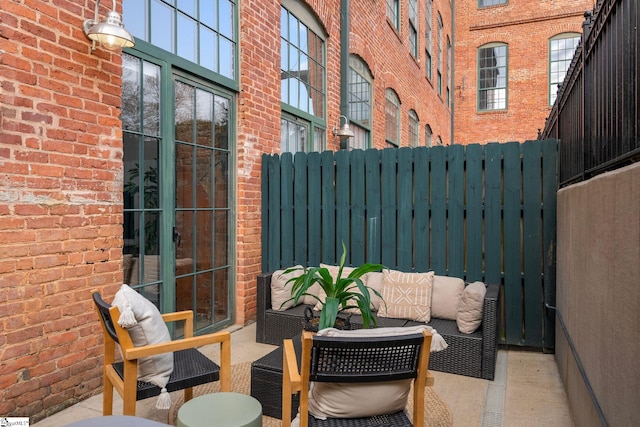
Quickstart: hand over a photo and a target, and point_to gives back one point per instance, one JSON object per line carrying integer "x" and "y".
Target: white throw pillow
{"x": 144, "y": 323}
{"x": 281, "y": 290}
{"x": 407, "y": 295}
{"x": 447, "y": 292}
{"x": 470, "y": 309}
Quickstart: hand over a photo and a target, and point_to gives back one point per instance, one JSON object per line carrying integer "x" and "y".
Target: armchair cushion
{"x": 407, "y": 295}
{"x": 145, "y": 325}
{"x": 469, "y": 316}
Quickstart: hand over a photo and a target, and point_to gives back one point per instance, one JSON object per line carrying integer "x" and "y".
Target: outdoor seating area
{"x": 535, "y": 393}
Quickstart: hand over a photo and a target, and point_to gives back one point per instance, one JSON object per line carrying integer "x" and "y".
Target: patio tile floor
{"x": 527, "y": 391}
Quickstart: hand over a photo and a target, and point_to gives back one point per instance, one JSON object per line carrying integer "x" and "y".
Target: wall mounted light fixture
{"x": 110, "y": 33}
{"x": 343, "y": 131}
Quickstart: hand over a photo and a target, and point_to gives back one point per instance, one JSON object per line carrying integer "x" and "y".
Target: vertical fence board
{"x": 421, "y": 209}
{"x": 343, "y": 190}
{"x": 286, "y": 208}
{"x": 455, "y": 204}
{"x": 512, "y": 243}
{"x": 328, "y": 237}
{"x": 315, "y": 209}
{"x": 358, "y": 228}
{"x": 374, "y": 208}
{"x": 389, "y": 219}
{"x": 549, "y": 228}
{"x": 532, "y": 230}
{"x": 439, "y": 211}
{"x": 474, "y": 209}
{"x": 493, "y": 214}
{"x": 265, "y": 169}
{"x": 300, "y": 209}
{"x": 405, "y": 209}
{"x": 274, "y": 210}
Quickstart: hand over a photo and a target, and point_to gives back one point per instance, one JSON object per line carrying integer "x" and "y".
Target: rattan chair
{"x": 190, "y": 366}
{"x": 342, "y": 360}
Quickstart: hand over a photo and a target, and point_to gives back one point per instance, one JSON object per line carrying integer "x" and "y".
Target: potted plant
{"x": 342, "y": 292}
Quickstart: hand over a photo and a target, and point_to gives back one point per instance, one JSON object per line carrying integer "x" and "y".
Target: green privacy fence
{"x": 480, "y": 212}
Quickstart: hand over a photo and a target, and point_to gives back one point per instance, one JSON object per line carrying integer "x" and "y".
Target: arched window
{"x": 303, "y": 76}
{"x": 561, "y": 50}
{"x": 414, "y": 126}
{"x": 360, "y": 102}
{"x": 428, "y": 136}
{"x": 392, "y": 118}
{"x": 492, "y": 77}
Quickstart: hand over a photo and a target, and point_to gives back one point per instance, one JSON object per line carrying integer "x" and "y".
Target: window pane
{"x": 151, "y": 98}
{"x": 208, "y": 13}
{"x": 131, "y": 93}
{"x": 187, "y": 43}
{"x": 221, "y": 118}
{"x": 162, "y": 28}
{"x": 133, "y": 18}
{"x": 226, "y": 18}
{"x": 188, "y": 7}
{"x": 208, "y": 48}
{"x": 226, "y": 49}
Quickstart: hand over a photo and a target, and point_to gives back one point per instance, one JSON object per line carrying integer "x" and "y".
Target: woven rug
{"x": 437, "y": 413}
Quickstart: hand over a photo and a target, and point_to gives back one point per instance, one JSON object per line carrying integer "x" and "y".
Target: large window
{"x": 203, "y": 32}
{"x": 561, "y": 50}
{"x": 413, "y": 27}
{"x": 440, "y": 54}
{"x": 428, "y": 45}
{"x": 360, "y": 108}
{"x": 414, "y": 126}
{"x": 393, "y": 13}
{"x": 392, "y": 118}
{"x": 492, "y": 77}
{"x": 303, "y": 73}
{"x": 485, "y": 3}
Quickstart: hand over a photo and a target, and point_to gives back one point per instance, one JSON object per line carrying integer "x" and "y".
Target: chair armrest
{"x": 490, "y": 330}
{"x": 291, "y": 380}
{"x": 132, "y": 353}
{"x": 185, "y": 316}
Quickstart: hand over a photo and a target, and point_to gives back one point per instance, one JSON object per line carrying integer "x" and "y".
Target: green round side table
{"x": 222, "y": 409}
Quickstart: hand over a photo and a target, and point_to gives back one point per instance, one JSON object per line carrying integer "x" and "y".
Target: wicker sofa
{"x": 472, "y": 354}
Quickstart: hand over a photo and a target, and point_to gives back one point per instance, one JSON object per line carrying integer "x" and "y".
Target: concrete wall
{"x": 598, "y": 297}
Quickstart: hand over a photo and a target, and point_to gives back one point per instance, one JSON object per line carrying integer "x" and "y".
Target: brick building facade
{"x": 526, "y": 29}
{"x": 64, "y": 163}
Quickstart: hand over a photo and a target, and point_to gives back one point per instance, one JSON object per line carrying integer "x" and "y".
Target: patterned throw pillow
{"x": 407, "y": 295}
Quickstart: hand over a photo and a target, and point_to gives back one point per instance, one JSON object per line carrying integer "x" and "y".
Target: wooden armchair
{"x": 357, "y": 360}
{"x": 191, "y": 367}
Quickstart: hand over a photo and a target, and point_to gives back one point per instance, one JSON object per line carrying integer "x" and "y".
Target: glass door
{"x": 202, "y": 232}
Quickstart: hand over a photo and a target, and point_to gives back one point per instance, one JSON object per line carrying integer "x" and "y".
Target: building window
{"x": 414, "y": 127}
{"x": 203, "y": 32}
{"x": 485, "y": 3}
{"x": 561, "y": 50}
{"x": 428, "y": 45}
{"x": 428, "y": 136}
{"x": 303, "y": 74}
{"x": 440, "y": 53}
{"x": 392, "y": 118}
{"x": 413, "y": 27}
{"x": 393, "y": 13}
{"x": 360, "y": 108}
{"x": 492, "y": 77}
{"x": 438, "y": 140}
{"x": 448, "y": 78}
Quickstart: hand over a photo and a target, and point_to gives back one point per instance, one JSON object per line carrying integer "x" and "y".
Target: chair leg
{"x": 188, "y": 394}
{"x": 107, "y": 396}
{"x": 130, "y": 388}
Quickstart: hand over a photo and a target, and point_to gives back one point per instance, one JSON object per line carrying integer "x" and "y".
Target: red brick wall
{"x": 61, "y": 204}
{"x": 526, "y": 26}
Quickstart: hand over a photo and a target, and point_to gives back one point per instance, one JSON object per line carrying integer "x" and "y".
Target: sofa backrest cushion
{"x": 447, "y": 292}
{"x": 471, "y": 306}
